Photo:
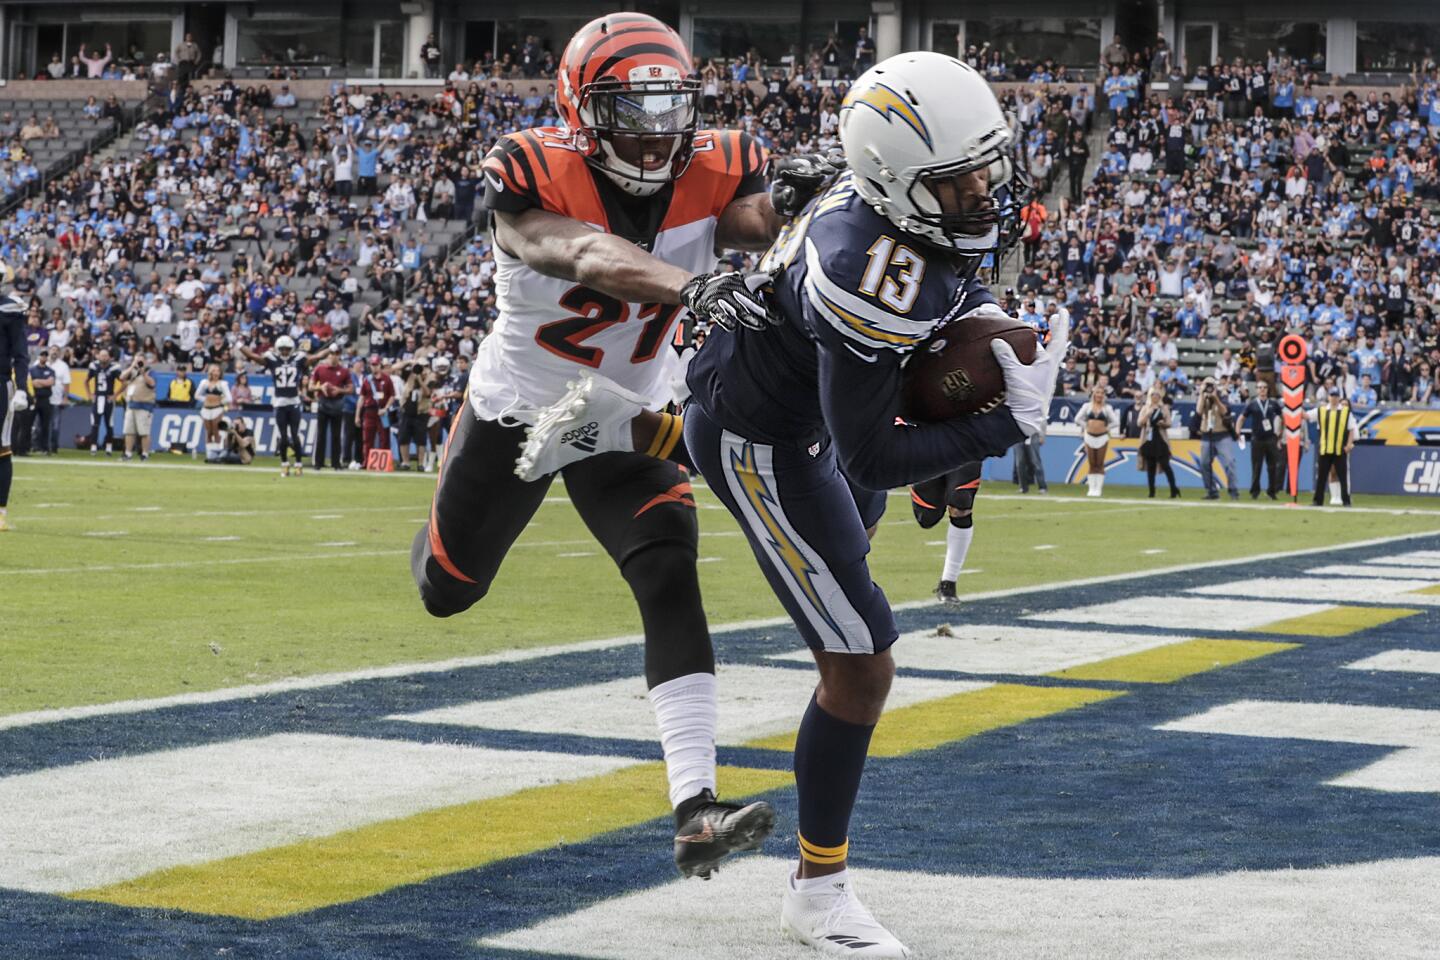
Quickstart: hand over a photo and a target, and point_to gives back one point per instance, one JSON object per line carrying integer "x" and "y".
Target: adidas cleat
{"x": 592, "y": 417}
{"x": 945, "y": 592}
{"x": 835, "y": 922}
{"x": 711, "y": 831}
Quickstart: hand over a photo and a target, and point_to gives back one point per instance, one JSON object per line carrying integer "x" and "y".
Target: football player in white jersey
{"x": 575, "y": 210}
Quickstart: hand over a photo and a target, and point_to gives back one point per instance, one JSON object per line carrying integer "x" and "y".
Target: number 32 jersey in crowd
{"x": 550, "y": 330}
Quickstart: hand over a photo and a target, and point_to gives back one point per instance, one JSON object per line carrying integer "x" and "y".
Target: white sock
{"x": 957, "y": 544}
{"x": 1334, "y": 491}
{"x": 812, "y": 885}
{"x": 1099, "y": 484}
{"x": 686, "y": 713}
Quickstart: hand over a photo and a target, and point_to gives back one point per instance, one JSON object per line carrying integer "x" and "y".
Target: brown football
{"x": 954, "y": 374}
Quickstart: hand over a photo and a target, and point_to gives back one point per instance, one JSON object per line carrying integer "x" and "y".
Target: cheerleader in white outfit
{"x": 213, "y": 395}
{"x": 1098, "y": 421}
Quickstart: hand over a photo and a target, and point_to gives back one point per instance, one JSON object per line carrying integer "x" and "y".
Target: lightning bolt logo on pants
{"x": 784, "y": 549}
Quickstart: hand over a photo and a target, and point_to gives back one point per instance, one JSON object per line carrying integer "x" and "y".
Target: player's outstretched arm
{"x": 749, "y": 223}
{"x": 559, "y": 246}
{"x": 861, "y": 399}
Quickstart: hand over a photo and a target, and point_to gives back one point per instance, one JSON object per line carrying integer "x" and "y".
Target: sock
{"x": 1090, "y": 482}
{"x": 1099, "y": 484}
{"x": 957, "y": 544}
{"x": 829, "y": 758}
{"x": 685, "y": 712}
{"x": 7, "y": 473}
{"x": 1334, "y": 491}
{"x": 823, "y": 884}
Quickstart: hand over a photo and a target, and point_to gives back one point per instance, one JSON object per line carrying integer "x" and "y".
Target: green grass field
{"x": 123, "y": 581}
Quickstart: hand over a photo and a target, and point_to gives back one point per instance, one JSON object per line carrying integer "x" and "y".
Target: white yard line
{"x": 115, "y": 708}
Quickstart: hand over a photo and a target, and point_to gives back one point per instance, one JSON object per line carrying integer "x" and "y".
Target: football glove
{"x": 19, "y": 402}
{"x": 1029, "y": 386}
{"x": 730, "y": 299}
{"x": 798, "y": 178}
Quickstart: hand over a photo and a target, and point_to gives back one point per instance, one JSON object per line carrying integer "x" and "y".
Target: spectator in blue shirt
{"x": 1363, "y": 395}
{"x": 1367, "y": 359}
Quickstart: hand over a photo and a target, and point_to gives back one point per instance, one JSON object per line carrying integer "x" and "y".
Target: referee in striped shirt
{"x": 1337, "y": 439}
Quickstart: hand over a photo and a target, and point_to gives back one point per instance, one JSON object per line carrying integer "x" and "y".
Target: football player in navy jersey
{"x": 288, "y": 370}
{"x": 795, "y": 426}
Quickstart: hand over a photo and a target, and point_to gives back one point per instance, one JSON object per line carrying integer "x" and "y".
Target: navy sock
{"x": 7, "y": 470}
{"x": 829, "y": 758}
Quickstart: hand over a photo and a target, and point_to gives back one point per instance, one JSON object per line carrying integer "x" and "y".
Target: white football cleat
{"x": 835, "y": 922}
{"x": 592, "y": 417}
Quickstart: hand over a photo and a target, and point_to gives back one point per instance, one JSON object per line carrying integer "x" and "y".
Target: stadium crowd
{"x": 1233, "y": 205}
{"x": 1237, "y": 205}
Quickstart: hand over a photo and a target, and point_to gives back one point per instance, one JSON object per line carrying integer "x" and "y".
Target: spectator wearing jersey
{"x": 102, "y": 377}
{"x": 377, "y": 398}
{"x": 138, "y": 382}
{"x": 331, "y": 385}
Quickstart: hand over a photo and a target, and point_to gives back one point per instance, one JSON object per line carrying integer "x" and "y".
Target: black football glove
{"x": 798, "y": 178}
{"x": 730, "y": 299}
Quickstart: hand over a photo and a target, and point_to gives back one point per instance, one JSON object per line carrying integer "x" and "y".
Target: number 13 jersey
{"x": 551, "y": 330}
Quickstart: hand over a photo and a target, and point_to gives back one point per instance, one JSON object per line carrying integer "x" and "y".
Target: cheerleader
{"x": 214, "y": 397}
{"x": 1154, "y": 420}
{"x": 1098, "y": 420}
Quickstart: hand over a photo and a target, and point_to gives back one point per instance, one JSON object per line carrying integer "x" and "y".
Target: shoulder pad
{"x": 872, "y": 285}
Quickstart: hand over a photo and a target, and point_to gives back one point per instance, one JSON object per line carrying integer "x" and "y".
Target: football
{"x": 954, "y": 374}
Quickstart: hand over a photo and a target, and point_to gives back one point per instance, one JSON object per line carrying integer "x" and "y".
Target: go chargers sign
{"x": 1422, "y": 474}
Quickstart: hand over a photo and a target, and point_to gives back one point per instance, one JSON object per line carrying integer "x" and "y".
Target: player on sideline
{"x": 950, "y": 494}
{"x": 288, "y": 371}
{"x": 14, "y": 393}
{"x": 795, "y": 427}
{"x": 575, "y": 210}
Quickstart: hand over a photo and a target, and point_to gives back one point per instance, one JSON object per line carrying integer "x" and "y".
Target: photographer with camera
{"x": 137, "y": 385}
{"x": 414, "y": 411}
{"x": 1216, "y": 429}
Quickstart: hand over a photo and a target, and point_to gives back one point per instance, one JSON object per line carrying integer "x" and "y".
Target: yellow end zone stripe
{"x": 1339, "y": 622}
{"x": 1429, "y": 591}
{"x": 370, "y": 860}
{"x": 1173, "y": 661}
{"x": 923, "y": 726}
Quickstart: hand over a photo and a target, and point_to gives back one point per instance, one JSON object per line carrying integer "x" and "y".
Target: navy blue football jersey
{"x": 856, "y": 296}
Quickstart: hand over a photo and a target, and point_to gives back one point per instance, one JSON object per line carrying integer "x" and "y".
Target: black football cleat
{"x": 945, "y": 592}
{"x": 708, "y": 831}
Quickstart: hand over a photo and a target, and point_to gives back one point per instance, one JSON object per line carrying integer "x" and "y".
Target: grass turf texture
{"x": 140, "y": 581}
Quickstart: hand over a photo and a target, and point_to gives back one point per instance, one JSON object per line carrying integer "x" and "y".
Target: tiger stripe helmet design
{"x": 627, "y": 92}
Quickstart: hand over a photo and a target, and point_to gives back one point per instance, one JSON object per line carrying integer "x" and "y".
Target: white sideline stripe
{"x": 1028, "y": 651}
{"x": 1375, "y": 570}
{"x": 267, "y": 469}
{"x": 104, "y": 821}
{"x": 183, "y": 564}
{"x": 1402, "y": 661}
{"x": 1413, "y": 768}
{"x": 1184, "y": 612}
{"x": 753, "y": 702}
{"x": 1096, "y": 503}
{"x": 1369, "y": 590}
{"x": 1382, "y": 909}
{"x": 120, "y": 707}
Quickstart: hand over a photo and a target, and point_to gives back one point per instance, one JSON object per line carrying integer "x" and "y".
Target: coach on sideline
{"x": 1262, "y": 418}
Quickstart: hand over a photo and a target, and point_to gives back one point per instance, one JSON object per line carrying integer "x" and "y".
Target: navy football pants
{"x": 806, "y": 524}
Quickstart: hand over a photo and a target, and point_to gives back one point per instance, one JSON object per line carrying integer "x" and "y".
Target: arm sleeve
{"x": 860, "y": 401}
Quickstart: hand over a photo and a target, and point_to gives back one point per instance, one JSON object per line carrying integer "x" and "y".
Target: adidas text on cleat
{"x": 592, "y": 417}
{"x": 707, "y": 831}
{"x": 945, "y": 592}
{"x": 834, "y": 921}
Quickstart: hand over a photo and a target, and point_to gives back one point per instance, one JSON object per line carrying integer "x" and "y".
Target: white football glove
{"x": 21, "y": 401}
{"x": 1030, "y": 386}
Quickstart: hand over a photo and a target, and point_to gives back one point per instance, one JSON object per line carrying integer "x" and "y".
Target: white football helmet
{"x": 284, "y": 344}
{"x": 922, "y": 117}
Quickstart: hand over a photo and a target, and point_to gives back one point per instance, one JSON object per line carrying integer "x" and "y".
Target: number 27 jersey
{"x": 551, "y": 330}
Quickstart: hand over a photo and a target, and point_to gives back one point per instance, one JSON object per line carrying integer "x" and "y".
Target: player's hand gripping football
{"x": 798, "y": 178}
{"x": 1029, "y": 386}
{"x": 730, "y": 300}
